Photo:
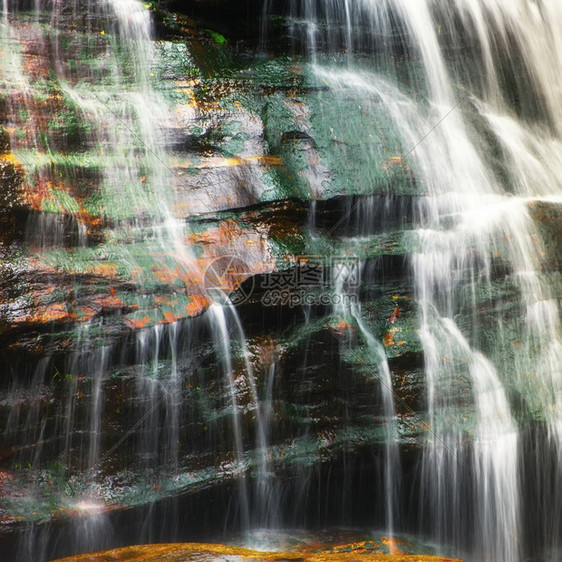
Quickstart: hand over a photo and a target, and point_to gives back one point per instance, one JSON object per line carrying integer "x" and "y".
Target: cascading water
{"x": 483, "y": 143}
{"x": 127, "y": 120}
{"x": 347, "y": 308}
{"x": 417, "y": 392}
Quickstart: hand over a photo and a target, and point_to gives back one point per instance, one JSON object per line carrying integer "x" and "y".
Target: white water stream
{"x": 488, "y": 59}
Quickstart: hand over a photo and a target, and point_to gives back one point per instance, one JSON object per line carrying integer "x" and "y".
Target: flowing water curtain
{"x": 106, "y": 127}
{"x": 347, "y": 308}
{"x": 102, "y": 74}
{"x": 484, "y": 144}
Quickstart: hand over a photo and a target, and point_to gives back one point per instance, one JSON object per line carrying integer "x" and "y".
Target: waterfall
{"x": 380, "y": 198}
{"x": 123, "y": 145}
{"x": 478, "y": 123}
{"x": 346, "y": 308}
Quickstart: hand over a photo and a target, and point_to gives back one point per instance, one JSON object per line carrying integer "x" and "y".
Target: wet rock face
{"x": 105, "y": 327}
{"x": 11, "y": 175}
{"x": 261, "y": 159}
{"x": 238, "y": 134}
{"x": 123, "y": 381}
{"x": 4, "y": 141}
{"x": 11, "y": 179}
{"x": 548, "y": 215}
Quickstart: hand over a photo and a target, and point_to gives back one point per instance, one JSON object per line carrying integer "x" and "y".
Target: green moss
{"x": 359, "y": 165}
{"x": 23, "y": 115}
{"x": 39, "y": 96}
{"x": 93, "y": 204}
{"x": 282, "y": 186}
{"x": 66, "y": 201}
{"x": 35, "y": 162}
{"x": 173, "y": 61}
{"x": 217, "y": 37}
{"x": 196, "y": 131}
{"x": 294, "y": 245}
{"x": 50, "y": 206}
{"x": 277, "y": 118}
{"x": 235, "y": 145}
{"x": 282, "y": 72}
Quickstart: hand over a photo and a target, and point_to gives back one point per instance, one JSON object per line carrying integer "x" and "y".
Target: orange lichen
{"x": 395, "y": 314}
{"x": 11, "y": 159}
{"x": 112, "y": 302}
{"x": 209, "y": 552}
{"x": 225, "y": 233}
{"x": 84, "y": 313}
{"x": 170, "y": 317}
{"x": 35, "y": 195}
{"x": 197, "y": 305}
{"x": 388, "y": 338}
{"x": 137, "y": 323}
{"x": 42, "y": 193}
{"x": 392, "y": 545}
{"x": 166, "y": 274}
{"x": 103, "y": 269}
{"x": 161, "y": 300}
{"x": 5, "y": 476}
{"x": 47, "y": 313}
{"x": 341, "y": 326}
